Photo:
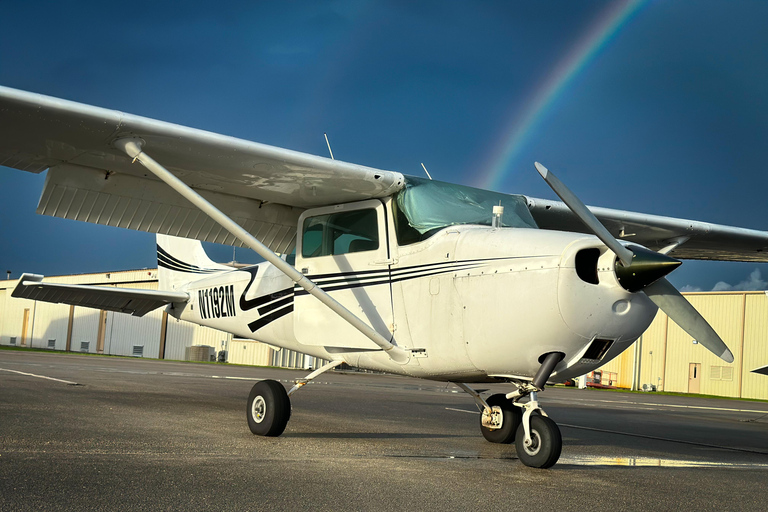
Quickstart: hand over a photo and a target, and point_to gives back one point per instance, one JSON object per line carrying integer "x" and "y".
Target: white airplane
{"x": 366, "y": 266}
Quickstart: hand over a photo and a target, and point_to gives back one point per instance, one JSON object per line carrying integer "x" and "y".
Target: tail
{"x": 181, "y": 260}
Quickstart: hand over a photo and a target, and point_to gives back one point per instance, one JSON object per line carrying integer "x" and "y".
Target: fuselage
{"x": 469, "y": 303}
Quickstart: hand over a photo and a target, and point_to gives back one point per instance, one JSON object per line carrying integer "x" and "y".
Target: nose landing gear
{"x": 537, "y": 438}
{"x": 538, "y": 441}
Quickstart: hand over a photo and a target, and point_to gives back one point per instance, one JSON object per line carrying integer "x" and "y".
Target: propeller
{"x": 642, "y": 270}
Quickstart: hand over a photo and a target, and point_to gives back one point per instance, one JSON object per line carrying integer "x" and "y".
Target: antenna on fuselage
{"x": 425, "y": 170}
{"x": 329, "y": 146}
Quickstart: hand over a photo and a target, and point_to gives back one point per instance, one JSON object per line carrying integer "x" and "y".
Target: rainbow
{"x": 520, "y": 130}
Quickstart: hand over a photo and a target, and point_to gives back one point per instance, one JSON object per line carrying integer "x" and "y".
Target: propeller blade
{"x": 586, "y": 216}
{"x": 677, "y": 307}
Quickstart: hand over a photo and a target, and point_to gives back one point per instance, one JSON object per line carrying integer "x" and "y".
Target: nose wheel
{"x": 503, "y": 418}
{"x": 541, "y": 445}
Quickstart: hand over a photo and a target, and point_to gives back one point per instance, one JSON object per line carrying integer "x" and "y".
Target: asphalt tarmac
{"x": 132, "y": 434}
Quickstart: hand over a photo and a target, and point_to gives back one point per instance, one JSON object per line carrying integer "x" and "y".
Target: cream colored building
{"x": 668, "y": 358}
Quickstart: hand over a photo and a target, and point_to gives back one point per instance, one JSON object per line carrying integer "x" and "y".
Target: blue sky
{"x": 668, "y": 116}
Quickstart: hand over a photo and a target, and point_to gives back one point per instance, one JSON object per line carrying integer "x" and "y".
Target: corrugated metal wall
{"x": 179, "y": 335}
{"x": 666, "y": 352}
{"x": 85, "y": 330}
{"x": 2, "y": 316}
{"x": 51, "y": 323}
{"x": 724, "y": 313}
{"x": 755, "y": 347}
{"x": 250, "y": 352}
{"x": 14, "y": 325}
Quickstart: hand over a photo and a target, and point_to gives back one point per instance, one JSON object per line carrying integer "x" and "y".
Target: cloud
{"x": 689, "y": 288}
{"x": 753, "y": 282}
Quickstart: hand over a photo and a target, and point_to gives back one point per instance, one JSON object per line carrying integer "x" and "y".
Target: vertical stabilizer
{"x": 181, "y": 260}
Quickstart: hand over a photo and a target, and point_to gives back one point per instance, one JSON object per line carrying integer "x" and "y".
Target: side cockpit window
{"x": 340, "y": 233}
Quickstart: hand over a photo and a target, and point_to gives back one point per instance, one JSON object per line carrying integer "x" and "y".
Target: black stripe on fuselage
{"x": 346, "y": 281}
{"x": 264, "y": 320}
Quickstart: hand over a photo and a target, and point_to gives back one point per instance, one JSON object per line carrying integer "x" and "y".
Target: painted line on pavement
{"x": 655, "y": 438}
{"x": 40, "y": 376}
{"x": 677, "y": 406}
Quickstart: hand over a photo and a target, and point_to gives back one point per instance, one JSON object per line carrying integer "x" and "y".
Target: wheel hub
{"x": 258, "y": 409}
{"x": 534, "y": 446}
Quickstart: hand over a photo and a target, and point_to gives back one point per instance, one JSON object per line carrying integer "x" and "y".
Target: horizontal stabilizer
{"x": 122, "y": 300}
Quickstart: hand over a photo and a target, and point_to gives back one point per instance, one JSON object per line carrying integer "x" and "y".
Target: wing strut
{"x": 133, "y": 148}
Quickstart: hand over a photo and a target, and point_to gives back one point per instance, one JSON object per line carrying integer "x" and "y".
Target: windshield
{"x": 425, "y": 206}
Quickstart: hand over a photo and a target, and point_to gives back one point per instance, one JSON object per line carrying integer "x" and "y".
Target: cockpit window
{"x": 424, "y": 207}
{"x": 340, "y": 233}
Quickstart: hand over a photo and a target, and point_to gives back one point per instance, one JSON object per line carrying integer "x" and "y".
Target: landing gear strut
{"x": 269, "y": 405}
{"x": 537, "y": 439}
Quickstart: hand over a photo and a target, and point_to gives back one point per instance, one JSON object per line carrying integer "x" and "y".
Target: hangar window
{"x": 340, "y": 233}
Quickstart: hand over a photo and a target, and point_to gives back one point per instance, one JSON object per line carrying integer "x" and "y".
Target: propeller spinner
{"x": 641, "y": 270}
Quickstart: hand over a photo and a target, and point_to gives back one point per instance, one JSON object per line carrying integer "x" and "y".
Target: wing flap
{"x": 122, "y": 300}
{"x": 121, "y": 200}
{"x": 705, "y": 241}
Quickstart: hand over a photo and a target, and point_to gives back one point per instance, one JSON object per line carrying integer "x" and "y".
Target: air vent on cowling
{"x": 586, "y": 265}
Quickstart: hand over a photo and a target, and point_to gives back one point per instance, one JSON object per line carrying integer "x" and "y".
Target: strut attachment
{"x": 532, "y": 389}
{"x": 492, "y": 416}
{"x": 133, "y": 148}
{"x": 299, "y": 383}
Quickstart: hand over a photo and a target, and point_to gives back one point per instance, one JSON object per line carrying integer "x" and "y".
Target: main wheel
{"x": 512, "y": 416}
{"x": 546, "y": 443}
{"x": 268, "y": 408}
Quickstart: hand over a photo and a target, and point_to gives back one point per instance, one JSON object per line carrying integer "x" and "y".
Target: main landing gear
{"x": 269, "y": 405}
{"x": 504, "y": 419}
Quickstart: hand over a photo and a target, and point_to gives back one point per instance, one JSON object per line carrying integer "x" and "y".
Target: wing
{"x": 123, "y": 300}
{"x": 697, "y": 240}
{"x": 261, "y": 187}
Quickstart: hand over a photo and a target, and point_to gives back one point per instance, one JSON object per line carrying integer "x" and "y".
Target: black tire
{"x": 269, "y": 408}
{"x": 547, "y": 443}
{"x": 512, "y": 418}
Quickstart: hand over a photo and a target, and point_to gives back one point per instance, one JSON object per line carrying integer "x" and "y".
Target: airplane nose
{"x": 646, "y": 268}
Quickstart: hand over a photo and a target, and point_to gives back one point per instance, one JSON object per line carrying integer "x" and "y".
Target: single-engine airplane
{"x": 364, "y": 266}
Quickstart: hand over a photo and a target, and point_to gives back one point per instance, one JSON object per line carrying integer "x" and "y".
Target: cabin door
{"x": 344, "y": 250}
